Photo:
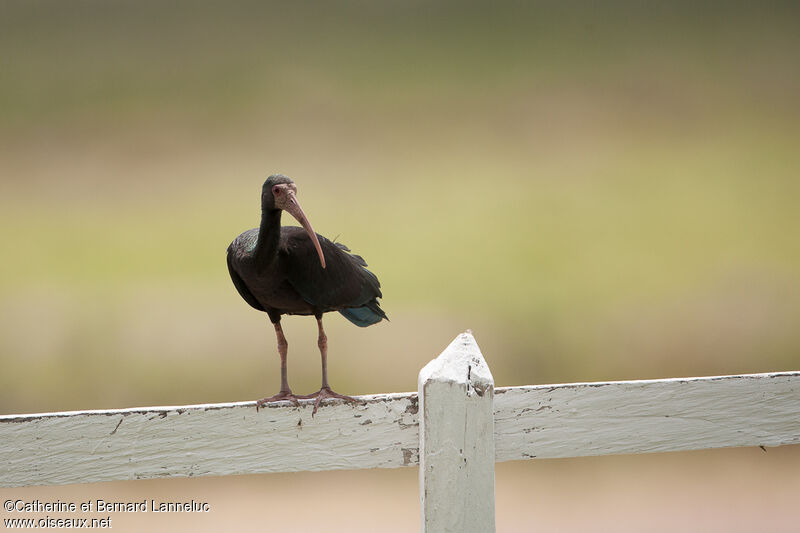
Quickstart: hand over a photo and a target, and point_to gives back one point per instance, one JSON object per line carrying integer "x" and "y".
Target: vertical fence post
{"x": 456, "y": 452}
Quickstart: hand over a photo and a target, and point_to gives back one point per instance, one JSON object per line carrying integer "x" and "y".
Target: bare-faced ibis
{"x": 286, "y": 270}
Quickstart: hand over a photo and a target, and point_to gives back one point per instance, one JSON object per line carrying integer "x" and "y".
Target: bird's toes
{"x": 281, "y": 396}
{"x": 316, "y": 405}
{"x": 326, "y": 392}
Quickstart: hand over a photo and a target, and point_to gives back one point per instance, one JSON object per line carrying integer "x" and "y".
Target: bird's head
{"x": 280, "y": 193}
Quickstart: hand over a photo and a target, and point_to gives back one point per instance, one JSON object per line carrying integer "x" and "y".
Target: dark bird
{"x": 286, "y": 270}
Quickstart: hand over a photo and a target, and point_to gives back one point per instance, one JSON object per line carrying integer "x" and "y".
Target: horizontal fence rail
{"x": 647, "y": 416}
{"x": 382, "y": 431}
{"x": 213, "y": 439}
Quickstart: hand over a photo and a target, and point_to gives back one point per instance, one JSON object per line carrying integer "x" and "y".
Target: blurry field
{"x": 599, "y": 192}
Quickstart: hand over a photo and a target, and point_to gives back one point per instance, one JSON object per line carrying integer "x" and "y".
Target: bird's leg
{"x": 325, "y": 391}
{"x": 283, "y": 349}
{"x": 322, "y": 343}
{"x": 285, "y": 392}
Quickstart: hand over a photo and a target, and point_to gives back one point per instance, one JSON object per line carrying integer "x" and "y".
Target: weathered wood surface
{"x": 456, "y": 448}
{"x": 218, "y": 439}
{"x": 647, "y": 416}
{"x": 567, "y": 420}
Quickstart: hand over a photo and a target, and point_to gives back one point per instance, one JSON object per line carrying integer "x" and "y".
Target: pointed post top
{"x": 461, "y": 362}
{"x": 456, "y": 440}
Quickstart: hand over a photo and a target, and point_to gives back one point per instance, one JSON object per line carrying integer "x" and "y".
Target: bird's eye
{"x": 276, "y": 190}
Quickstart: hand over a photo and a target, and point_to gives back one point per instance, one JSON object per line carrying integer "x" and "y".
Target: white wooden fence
{"x": 455, "y": 428}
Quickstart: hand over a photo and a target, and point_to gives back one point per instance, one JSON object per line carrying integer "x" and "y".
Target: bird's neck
{"x": 269, "y": 234}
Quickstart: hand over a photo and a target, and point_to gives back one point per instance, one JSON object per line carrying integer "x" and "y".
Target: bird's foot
{"x": 282, "y": 395}
{"x": 326, "y": 392}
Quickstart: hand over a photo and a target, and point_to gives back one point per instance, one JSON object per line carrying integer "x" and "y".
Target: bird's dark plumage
{"x": 287, "y": 270}
{"x": 344, "y": 285}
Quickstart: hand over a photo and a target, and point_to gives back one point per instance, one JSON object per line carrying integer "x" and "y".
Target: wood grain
{"x": 566, "y": 420}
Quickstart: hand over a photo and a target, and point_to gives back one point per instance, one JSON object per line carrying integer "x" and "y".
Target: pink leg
{"x": 325, "y": 391}
{"x": 322, "y": 343}
{"x": 285, "y": 392}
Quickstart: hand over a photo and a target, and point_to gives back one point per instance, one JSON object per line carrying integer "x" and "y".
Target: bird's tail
{"x": 365, "y": 316}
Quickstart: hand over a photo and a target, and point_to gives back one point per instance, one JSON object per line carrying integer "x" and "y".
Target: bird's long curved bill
{"x": 294, "y": 209}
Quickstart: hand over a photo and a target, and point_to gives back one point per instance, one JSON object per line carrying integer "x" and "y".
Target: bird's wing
{"x": 344, "y": 282}
{"x": 240, "y": 285}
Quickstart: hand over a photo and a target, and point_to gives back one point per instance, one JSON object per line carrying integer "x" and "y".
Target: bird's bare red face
{"x": 285, "y": 195}
{"x": 280, "y": 190}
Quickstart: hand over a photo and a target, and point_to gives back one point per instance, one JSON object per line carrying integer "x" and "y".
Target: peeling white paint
{"x": 567, "y": 420}
{"x": 456, "y": 445}
{"x": 214, "y": 439}
{"x": 647, "y": 416}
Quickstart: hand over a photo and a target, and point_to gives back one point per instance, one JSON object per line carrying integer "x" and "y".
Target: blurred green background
{"x": 600, "y": 191}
